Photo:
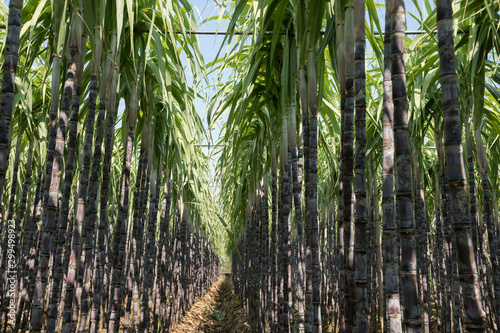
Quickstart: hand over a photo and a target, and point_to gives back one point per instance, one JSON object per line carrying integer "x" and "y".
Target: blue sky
{"x": 210, "y": 46}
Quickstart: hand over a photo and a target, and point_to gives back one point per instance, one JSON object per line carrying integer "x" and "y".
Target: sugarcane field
{"x": 250, "y": 166}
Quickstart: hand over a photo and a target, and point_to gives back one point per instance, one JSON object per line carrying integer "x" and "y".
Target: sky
{"x": 209, "y": 46}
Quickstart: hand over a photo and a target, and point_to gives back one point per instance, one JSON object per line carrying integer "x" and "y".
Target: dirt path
{"x": 218, "y": 311}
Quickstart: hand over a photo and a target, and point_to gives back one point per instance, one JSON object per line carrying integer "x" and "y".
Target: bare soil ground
{"x": 218, "y": 311}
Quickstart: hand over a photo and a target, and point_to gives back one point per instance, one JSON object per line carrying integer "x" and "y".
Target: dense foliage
{"x": 356, "y": 184}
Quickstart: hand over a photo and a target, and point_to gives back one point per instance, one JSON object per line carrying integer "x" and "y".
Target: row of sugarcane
{"x": 67, "y": 262}
{"x": 260, "y": 265}
{"x": 173, "y": 270}
{"x": 347, "y": 268}
{"x": 260, "y": 268}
